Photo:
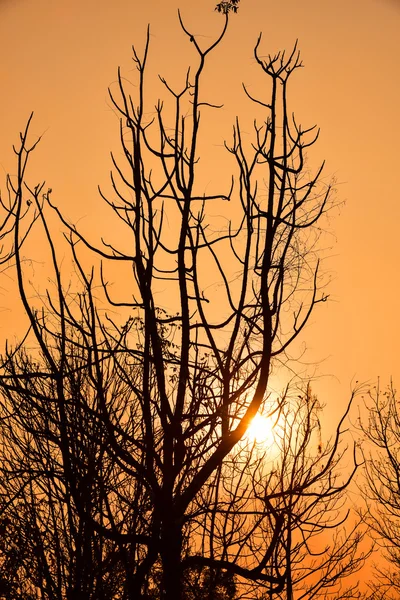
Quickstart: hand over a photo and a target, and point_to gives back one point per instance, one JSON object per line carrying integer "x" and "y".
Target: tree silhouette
{"x": 123, "y": 461}
{"x": 381, "y": 492}
{"x": 306, "y": 488}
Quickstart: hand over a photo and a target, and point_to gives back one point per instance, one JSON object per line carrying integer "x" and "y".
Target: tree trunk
{"x": 171, "y": 549}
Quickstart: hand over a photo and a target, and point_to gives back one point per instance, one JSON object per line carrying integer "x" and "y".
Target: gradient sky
{"x": 59, "y": 56}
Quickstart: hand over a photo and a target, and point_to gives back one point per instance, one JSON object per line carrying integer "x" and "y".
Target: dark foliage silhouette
{"x": 227, "y": 6}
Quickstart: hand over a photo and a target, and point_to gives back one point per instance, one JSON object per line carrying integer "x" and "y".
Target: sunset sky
{"x": 59, "y": 56}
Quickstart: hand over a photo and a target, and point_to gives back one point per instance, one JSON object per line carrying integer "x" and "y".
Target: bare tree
{"x": 306, "y": 488}
{"x": 141, "y": 416}
{"x": 290, "y": 496}
{"x": 382, "y": 489}
{"x": 49, "y": 547}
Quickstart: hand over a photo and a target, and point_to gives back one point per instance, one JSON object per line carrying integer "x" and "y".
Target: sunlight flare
{"x": 261, "y": 430}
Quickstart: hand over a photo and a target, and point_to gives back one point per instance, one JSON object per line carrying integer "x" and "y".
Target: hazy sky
{"x": 59, "y": 56}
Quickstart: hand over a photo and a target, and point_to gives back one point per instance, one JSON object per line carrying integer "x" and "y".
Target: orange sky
{"x": 59, "y": 56}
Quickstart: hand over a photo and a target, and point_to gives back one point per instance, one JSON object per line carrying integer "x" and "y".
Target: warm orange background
{"x": 59, "y": 56}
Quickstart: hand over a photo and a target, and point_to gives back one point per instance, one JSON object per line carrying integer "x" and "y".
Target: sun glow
{"x": 261, "y": 431}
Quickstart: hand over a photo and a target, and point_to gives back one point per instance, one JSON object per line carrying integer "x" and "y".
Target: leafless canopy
{"x": 123, "y": 436}
{"x": 382, "y": 488}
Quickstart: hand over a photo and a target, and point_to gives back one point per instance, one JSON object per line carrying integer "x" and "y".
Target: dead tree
{"x": 54, "y": 477}
{"x": 304, "y": 486}
{"x": 381, "y": 492}
{"x": 177, "y": 378}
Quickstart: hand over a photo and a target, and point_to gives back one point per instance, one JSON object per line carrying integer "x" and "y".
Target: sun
{"x": 261, "y": 431}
